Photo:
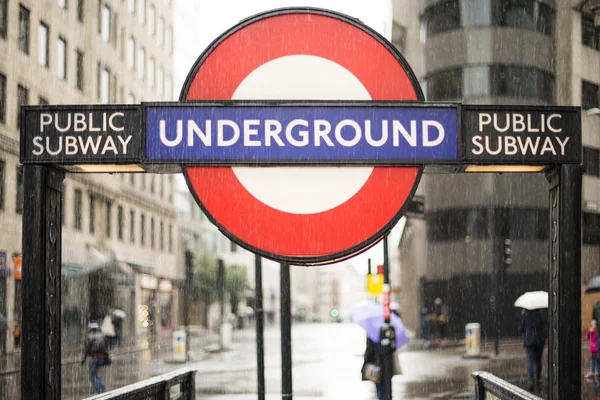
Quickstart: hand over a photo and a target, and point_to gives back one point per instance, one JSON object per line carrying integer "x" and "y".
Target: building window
{"x": 98, "y": 78}
{"x": 590, "y": 228}
{"x": 3, "y": 18}
{"x": 92, "y": 213}
{"x": 141, "y": 63}
{"x": 113, "y": 89}
{"x": 471, "y": 224}
{"x": 441, "y": 17}
{"x": 162, "y": 235}
{"x": 152, "y": 232}
{"x": 161, "y": 31}
{"x": 42, "y": 101}
{"x": 131, "y": 53}
{"x": 22, "y": 100}
{"x": 232, "y": 247}
{"x": 132, "y": 226}
{"x": 493, "y": 80}
{"x": 590, "y": 95}
{"x": 141, "y": 10}
{"x": 120, "y": 222}
{"x": 152, "y": 20}
{"x": 80, "y": 10}
{"x": 169, "y": 87}
{"x": 105, "y": 23}
{"x": 590, "y": 34}
{"x": 108, "y": 218}
{"x": 591, "y": 161}
{"x": 532, "y": 15}
{"x": 132, "y": 179}
{"x": 142, "y": 230}
{"x": 2, "y": 98}
{"x": 131, "y": 6}
{"x": 105, "y": 86}
{"x": 43, "y": 44}
{"x": 62, "y": 3}
{"x": 445, "y": 85}
{"x": 20, "y": 197}
{"x": 61, "y": 58}
{"x": 23, "y": 29}
{"x": 151, "y": 73}
{"x": 152, "y": 183}
{"x": 79, "y": 69}
{"x": 77, "y": 203}
{"x": 160, "y": 81}
{"x": 143, "y": 179}
{"x": 2, "y": 168}
{"x": 169, "y": 39}
{"x": 170, "y": 238}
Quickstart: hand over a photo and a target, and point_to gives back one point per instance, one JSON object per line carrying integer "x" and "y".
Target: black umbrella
{"x": 593, "y": 285}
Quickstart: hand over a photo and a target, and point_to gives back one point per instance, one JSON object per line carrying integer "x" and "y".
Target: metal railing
{"x": 158, "y": 387}
{"x": 489, "y": 387}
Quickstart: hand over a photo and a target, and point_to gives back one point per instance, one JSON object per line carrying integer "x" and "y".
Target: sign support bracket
{"x": 564, "y": 314}
{"x": 42, "y": 225}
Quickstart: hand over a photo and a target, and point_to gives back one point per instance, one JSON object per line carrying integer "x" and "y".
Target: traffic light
{"x": 507, "y": 253}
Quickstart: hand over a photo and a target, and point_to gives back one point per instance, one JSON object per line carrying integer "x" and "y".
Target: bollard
{"x": 472, "y": 339}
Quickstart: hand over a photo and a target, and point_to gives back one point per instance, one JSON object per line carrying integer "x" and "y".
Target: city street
{"x": 326, "y": 362}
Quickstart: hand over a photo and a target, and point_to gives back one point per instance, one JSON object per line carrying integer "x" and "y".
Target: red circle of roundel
{"x": 326, "y": 236}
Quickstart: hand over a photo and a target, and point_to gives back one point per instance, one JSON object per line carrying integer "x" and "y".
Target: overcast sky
{"x": 198, "y": 22}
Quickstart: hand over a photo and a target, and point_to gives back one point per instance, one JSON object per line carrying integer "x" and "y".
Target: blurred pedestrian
{"x": 592, "y": 336}
{"x": 425, "y": 325}
{"x": 372, "y": 367}
{"x": 596, "y": 311}
{"x": 118, "y": 325}
{"x": 440, "y": 316}
{"x": 533, "y": 328}
{"x": 95, "y": 348}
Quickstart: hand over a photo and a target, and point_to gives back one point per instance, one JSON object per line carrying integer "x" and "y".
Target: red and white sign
{"x": 302, "y": 215}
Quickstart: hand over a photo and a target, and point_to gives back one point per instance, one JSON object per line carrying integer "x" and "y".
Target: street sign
{"x": 522, "y": 134}
{"x": 302, "y": 215}
{"x": 82, "y": 134}
{"x": 239, "y": 133}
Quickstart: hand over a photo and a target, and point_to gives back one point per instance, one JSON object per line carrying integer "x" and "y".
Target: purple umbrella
{"x": 369, "y": 316}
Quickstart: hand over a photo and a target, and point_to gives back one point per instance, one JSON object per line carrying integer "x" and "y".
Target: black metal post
{"x": 189, "y": 275}
{"x": 498, "y": 287}
{"x": 286, "y": 333}
{"x": 386, "y": 344}
{"x": 564, "y": 314}
{"x": 259, "y": 318}
{"x": 41, "y": 346}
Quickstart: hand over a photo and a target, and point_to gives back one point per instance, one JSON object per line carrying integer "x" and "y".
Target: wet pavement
{"x": 326, "y": 365}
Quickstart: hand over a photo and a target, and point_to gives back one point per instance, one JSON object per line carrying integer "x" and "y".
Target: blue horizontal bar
{"x": 275, "y": 134}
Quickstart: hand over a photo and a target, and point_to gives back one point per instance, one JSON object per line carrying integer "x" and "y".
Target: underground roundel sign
{"x": 302, "y": 215}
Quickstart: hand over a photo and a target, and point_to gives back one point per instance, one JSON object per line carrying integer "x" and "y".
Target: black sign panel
{"x": 81, "y": 134}
{"x": 524, "y": 135}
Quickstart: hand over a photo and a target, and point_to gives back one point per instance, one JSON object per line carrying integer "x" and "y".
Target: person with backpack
{"x": 592, "y": 336}
{"x": 96, "y": 349}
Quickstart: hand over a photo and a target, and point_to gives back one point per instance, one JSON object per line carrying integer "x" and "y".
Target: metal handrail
{"x": 158, "y": 387}
{"x": 486, "y": 382}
